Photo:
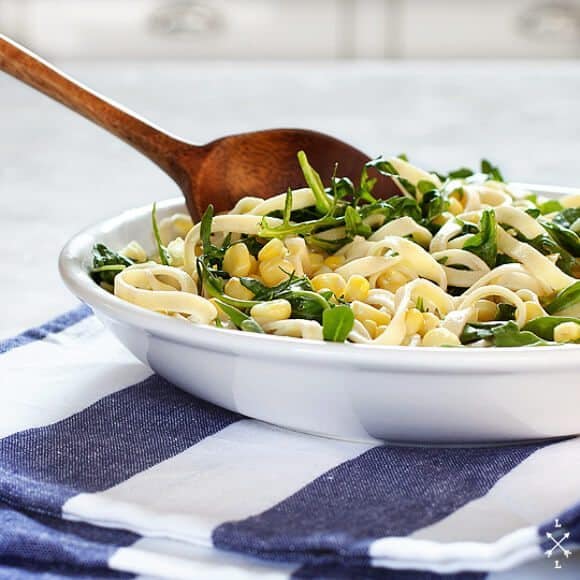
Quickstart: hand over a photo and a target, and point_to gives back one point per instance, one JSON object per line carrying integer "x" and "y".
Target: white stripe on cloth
{"x": 240, "y": 471}
{"x": 53, "y": 378}
{"x": 179, "y": 561}
{"x": 481, "y": 533}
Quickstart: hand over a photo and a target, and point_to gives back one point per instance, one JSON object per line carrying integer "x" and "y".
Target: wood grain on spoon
{"x": 261, "y": 163}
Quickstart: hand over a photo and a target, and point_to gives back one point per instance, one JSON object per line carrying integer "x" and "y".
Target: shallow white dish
{"x": 357, "y": 392}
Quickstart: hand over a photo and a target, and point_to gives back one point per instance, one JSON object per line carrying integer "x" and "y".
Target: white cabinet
{"x": 295, "y": 29}
{"x": 488, "y": 28}
{"x": 182, "y": 28}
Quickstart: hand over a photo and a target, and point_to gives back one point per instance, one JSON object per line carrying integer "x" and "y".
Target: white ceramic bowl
{"x": 357, "y": 392}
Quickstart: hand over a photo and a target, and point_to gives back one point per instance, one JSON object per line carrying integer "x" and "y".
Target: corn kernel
{"x": 485, "y": 310}
{"x": 334, "y": 262}
{"x": 455, "y": 206}
{"x": 392, "y": 280}
{"x": 275, "y": 271}
{"x": 237, "y": 260}
{"x": 430, "y": 321}
{"x": 175, "y": 249}
{"x": 372, "y": 327}
{"x": 322, "y": 270}
{"x": 313, "y": 263}
{"x": 334, "y": 282}
{"x": 271, "y": 311}
{"x": 567, "y": 332}
{"x": 440, "y": 337}
{"x": 533, "y": 310}
{"x": 357, "y": 288}
{"x": 273, "y": 250}
{"x": 182, "y": 223}
{"x": 134, "y": 251}
{"x": 414, "y": 321}
{"x": 364, "y": 312}
{"x": 253, "y": 265}
{"x": 235, "y": 289}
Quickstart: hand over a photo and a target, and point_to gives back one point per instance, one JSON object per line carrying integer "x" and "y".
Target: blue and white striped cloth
{"x": 106, "y": 470}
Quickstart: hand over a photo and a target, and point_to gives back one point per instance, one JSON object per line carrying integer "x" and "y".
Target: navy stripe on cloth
{"x": 14, "y": 569}
{"x": 387, "y": 491}
{"x": 310, "y": 572}
{"x": 42, "y": 541}
{"x": 104, "y": 444}
{"x": 54, "y": 326}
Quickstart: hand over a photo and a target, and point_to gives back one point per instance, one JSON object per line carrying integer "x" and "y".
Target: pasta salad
{"x": 456, "y": 259}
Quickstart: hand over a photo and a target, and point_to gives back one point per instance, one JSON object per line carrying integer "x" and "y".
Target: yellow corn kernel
{"x": 275, "y": 271}
{"x": 455, "y": 206}
{"x": 273, "y": 250}
{"x": 440, "y": 337}
{"x": 134, "y": 251}
{"x": 237, "y": 260}
{"x": 253, "y": 265}
{"x": 372, "y": 327}
{"x": 235, "y": 289}
{"x": 430, "y": 321}
{"x": 271, "y": 311}
{"x": 533, "y": 310}
{"x": 313, "y": 263}
{"x": 414, "y": 321}
{"x": 567, "y": 332}
{"x": 364, "y": 312}
{"x": 392, "y": 280}
{"x": 334, "y": 262}
{"x": 485, "y": 310}
{"x": 357, "y": 288}
{"x": 182, "y": 223}
{"x": 334, "y": 282}
{"x": 175, "y": 249}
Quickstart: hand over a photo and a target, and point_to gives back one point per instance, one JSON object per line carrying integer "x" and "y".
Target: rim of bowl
{"x": 73, "y": 267}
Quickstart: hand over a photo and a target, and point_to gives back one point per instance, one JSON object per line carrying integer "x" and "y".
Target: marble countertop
{"x": 59, "y": 173}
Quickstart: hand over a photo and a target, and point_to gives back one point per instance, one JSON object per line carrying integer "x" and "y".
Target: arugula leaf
{"x": 163, "y": 255}
{"x": 337, "y": 323}
{"x": 568, "y": 239}
{"x": 505, "y": 311}
{"x": 565, "y": 299}
{"x": 461, "y": 173}
{"x": 384, "y": 167}
{"x": 107, "y": 264}
{"x": 509, "y": 335}
{"x": 365, "y": 188}
{"x": 484, "y": 243}
{"x": 543, "y": 326}
{"x": 315, "y": 183}
{"x": 241, "y": 320}
{"x": 550, "y": 206}
{"x": 474, "y": 331}
{"x": 354, "y": 223}
{"x": 213, "y": 255}
{"x": 568, "y": 218}
{"x": 491, "y": 171}
{"x": 433, "y": 204}
{"x": 546, "y": 245}
{"x": 305, "y": 303}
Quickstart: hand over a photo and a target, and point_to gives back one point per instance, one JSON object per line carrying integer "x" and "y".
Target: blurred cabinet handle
{"x": 552, "y": 21}
{"x": 184, "y": 17}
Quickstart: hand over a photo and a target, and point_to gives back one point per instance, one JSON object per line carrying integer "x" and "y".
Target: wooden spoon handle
{"x": 158, "y": 146}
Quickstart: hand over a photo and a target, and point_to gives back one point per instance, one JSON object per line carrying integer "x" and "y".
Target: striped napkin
{"x": 107, "y": 470}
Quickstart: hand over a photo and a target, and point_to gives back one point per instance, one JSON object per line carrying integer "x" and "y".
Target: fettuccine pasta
{"x": 461, "y": 259}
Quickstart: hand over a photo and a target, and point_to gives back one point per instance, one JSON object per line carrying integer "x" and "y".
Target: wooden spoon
{"x": 261, "y": 163}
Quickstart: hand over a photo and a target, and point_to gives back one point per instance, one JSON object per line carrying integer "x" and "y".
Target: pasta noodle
{"x": 458, "y": 259}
